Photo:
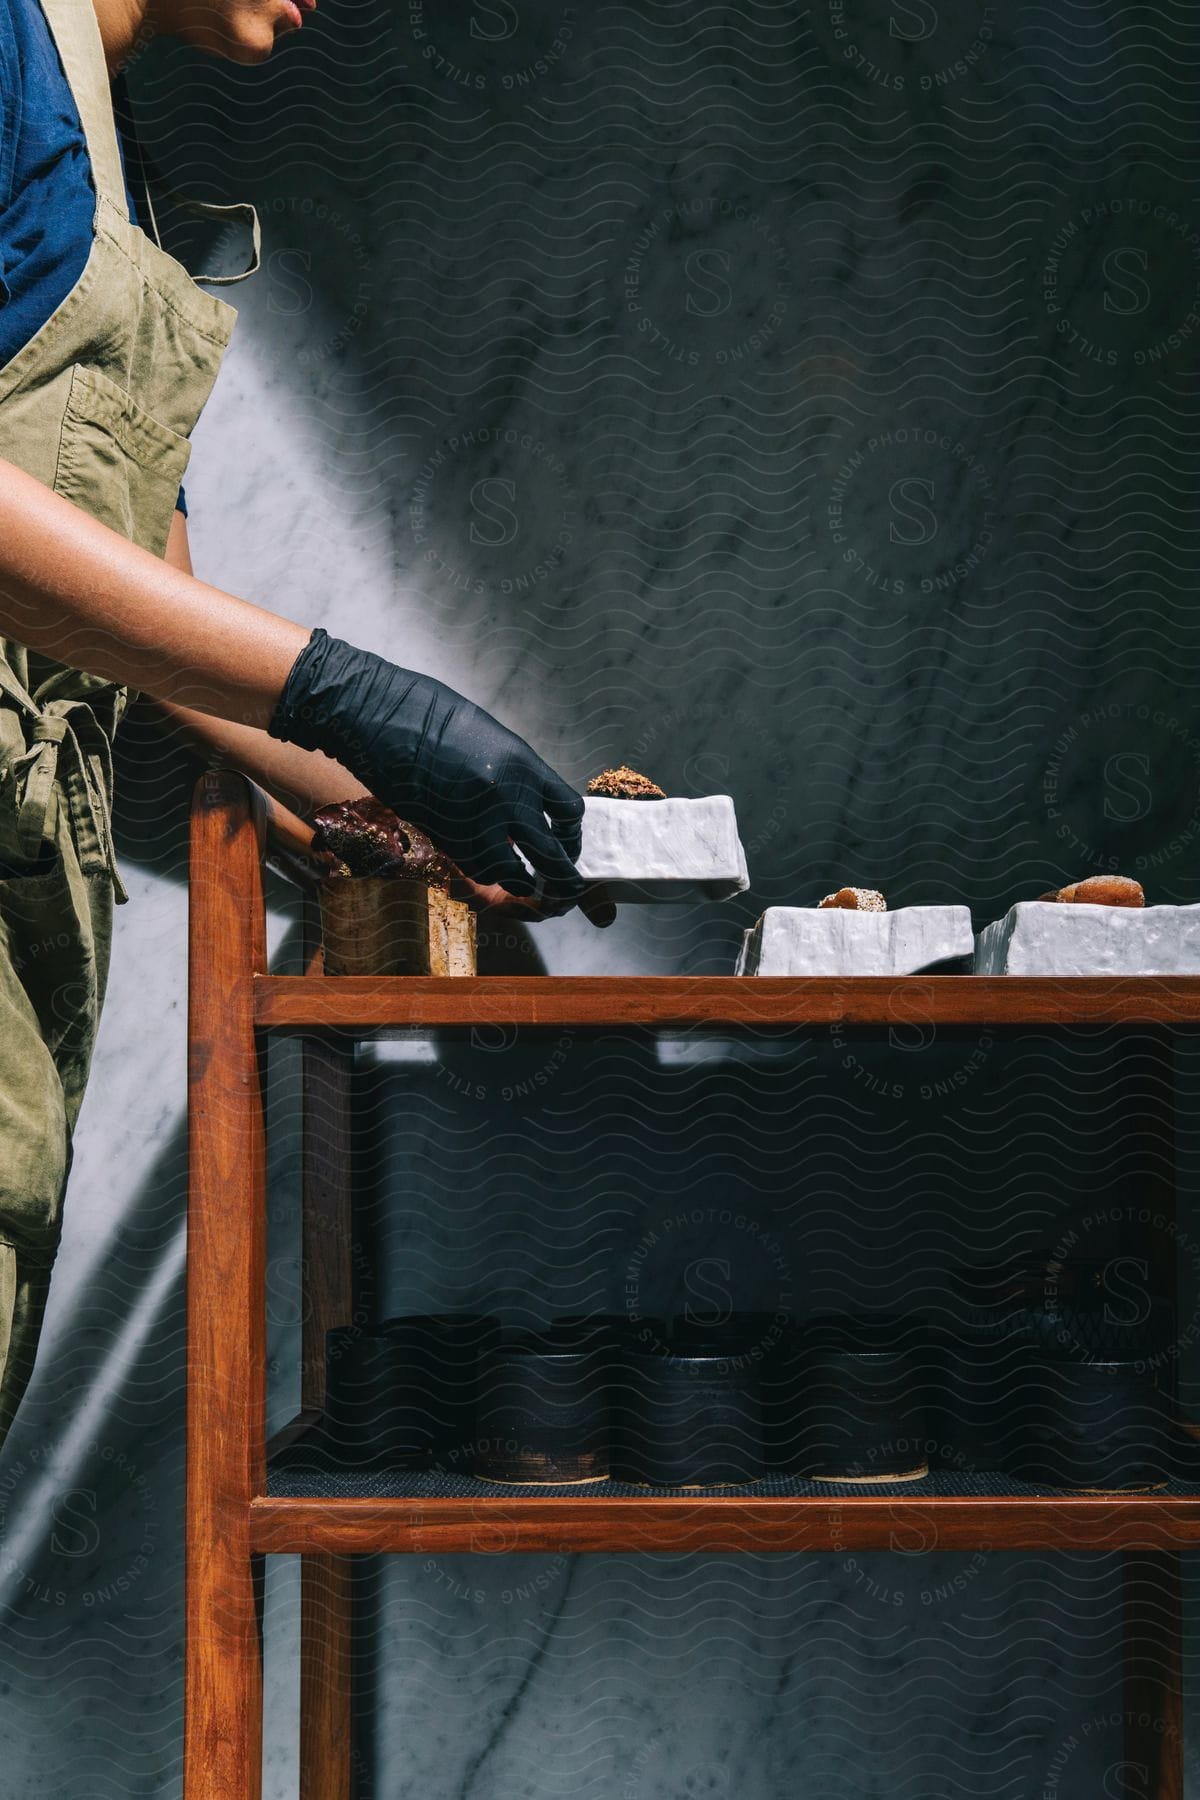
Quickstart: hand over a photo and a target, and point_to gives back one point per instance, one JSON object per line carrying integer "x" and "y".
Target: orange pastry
{"x": 1100, "y": 890}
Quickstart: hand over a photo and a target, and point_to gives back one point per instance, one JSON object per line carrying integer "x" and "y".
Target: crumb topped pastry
{"x": 852, "y": 899}
{"x": 1100, "y": 890}
{"x": 367, "y": 838}
{"x": 624, "y": 784}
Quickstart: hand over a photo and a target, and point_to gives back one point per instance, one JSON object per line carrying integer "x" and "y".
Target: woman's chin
{"x": 246, "y": 45}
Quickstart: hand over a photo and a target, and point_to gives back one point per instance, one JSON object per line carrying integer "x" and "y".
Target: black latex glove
{"x": 437, "y": 760}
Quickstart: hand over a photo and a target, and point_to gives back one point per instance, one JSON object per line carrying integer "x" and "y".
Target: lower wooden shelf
{"x": 314, "y": 1504}
{"x": 492, "y": 1526}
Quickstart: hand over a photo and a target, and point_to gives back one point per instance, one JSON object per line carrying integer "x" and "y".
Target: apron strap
{"x": 38, "y": 816}
{"x": 76, "y": 33}
{"x": 240, "y": 210}
{"x": 151, "y": 182}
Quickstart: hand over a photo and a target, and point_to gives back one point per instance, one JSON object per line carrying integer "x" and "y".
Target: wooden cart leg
{"x": 326, "y": 1769}
{"x": 327, "y": 1224}
{"x": 326, "y": 1613}
{"x": 1153, "y": 1617}
{"x": 1153, "y": 1692}
{"x": 226, "y": 1354}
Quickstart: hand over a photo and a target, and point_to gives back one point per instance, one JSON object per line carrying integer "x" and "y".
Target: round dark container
{"x": 982, "y": 1391}
{"x": 1008, "y": 1325}
{"x": 371, "y": 1417}
{"x": 689, "y": 1419}
{"x": 759, "y": 1332}
{"x": 768, "y": 1343}
{"x": 543, "y": 1412}
{"x": 611, "y": 1334}
{"x": 441, "y": 1357}
{"x": 861, "y": 1418}
{"x": 1096, "y": 1425}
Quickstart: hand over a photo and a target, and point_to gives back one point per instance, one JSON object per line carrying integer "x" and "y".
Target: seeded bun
{"x": 855, "y": 900}
{"x": 624, "y": 784}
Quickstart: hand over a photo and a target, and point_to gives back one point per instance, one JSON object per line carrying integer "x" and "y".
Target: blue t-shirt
{"x": 47, "y": 200}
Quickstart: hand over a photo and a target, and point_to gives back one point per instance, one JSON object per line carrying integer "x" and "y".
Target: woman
{"x": 109, "y": 351}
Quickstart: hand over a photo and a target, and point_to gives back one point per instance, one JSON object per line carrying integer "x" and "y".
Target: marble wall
{"x": 795, "y": 401}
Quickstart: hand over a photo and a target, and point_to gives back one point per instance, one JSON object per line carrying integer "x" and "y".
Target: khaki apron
{"x": 99, "y": 406}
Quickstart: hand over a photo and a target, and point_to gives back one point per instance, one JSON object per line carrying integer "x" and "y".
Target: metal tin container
{"x": 1096, "y": 1425}
{"x": 610, "y": 1333}
{"x": 440, "y": 1358}
{"x": 769, "y": 1344}
{"x": 862, "y": 1418}
{"x": 374, "y": 1415}
{"x": 1006, "y": 1327}
{"x": 690, "y": 1418}
{"x": 543, "y": 1412}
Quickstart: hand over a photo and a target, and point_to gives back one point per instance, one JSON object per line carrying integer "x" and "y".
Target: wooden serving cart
{"x": 233, "y": 1521}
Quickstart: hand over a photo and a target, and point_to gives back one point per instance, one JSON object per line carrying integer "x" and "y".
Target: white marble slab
{"x": 809, "y": 940}
{"x": 664, "y": 849}
{"x": 1040, "y": 937}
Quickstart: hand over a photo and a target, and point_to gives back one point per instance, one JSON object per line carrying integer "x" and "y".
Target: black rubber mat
{"x": 306, "y": 1469}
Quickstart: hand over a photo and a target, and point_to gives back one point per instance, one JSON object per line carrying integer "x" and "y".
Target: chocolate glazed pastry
{"x": 543, "y": 1412}
{"x": 368, "y": 839}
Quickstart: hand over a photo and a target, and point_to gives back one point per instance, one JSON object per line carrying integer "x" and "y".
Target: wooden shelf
{"x": 232, "y": 1516}
{"x": 415, "y": 1524}
{"x": 313, "y": 1003}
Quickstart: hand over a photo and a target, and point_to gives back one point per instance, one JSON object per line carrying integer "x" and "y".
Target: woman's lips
{"x": 294, "y": 11}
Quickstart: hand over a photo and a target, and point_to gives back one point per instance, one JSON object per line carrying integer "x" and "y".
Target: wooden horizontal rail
{"x": 492, "y": 1526}
{"x": 298, "y": 1003}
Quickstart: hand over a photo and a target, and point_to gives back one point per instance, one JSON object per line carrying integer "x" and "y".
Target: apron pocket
{"x": 46, "y": 929}
{"x": 54, "y": 938}
{"x": 118, "y": 463}
{"x": 43, "y": 975}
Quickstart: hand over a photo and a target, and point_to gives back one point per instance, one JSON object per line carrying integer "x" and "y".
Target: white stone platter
{"x": 809, "y": 940}
{"x": 656, "y": 850}
{"x": 1044, "y": 937}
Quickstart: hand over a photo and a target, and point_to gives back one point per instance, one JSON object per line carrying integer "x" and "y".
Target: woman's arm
{"x": 81, "y": 593}
{"x": 301, "y": 779}
{"x": 305, "y": 779}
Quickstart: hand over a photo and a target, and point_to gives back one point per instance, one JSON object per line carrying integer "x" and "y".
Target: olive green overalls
{"x": 98, "y": 406}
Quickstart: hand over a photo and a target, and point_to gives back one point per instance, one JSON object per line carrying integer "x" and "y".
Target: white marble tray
{"x": 806, "y": 940}
{"x": 1039, "y": 937}
{"x": 663, "y": 849}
